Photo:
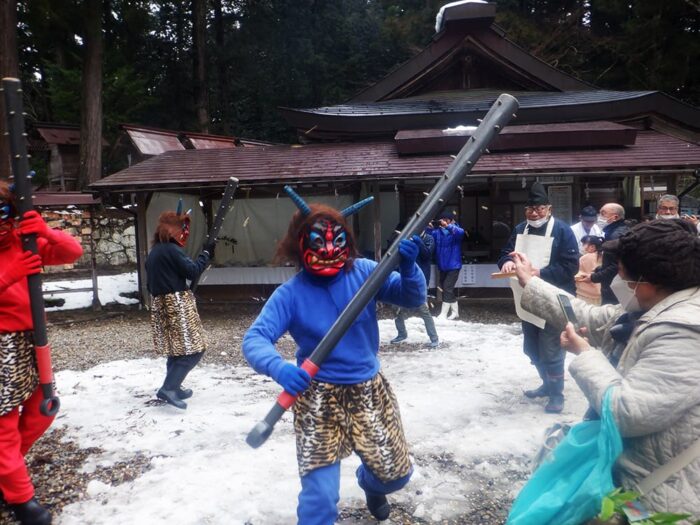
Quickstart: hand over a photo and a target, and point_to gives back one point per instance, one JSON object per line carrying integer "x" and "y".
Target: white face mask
{"x": 538, "y": 222}
{"x": 676, "y": 216}
{"x": 601, "y": 221}
{"x": 627, "y": 299}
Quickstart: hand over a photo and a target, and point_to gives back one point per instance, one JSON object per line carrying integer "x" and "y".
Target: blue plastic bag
{"x": 569, "y": 487}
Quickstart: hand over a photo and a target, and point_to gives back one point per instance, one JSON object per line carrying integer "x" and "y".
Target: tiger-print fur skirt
{"x": 332, "y": 421}
{"x": 19, "y": 376}
{"x": 176, "y": 326}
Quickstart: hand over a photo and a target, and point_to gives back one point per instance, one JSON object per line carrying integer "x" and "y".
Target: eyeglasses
{"x": 538, "y": 209}
{"x": 668, "y": 208}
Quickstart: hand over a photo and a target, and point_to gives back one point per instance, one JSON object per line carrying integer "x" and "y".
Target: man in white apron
{"x": 551, "y": 246}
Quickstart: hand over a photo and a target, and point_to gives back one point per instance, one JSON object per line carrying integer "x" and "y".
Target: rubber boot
{"x": 555, "y": 382}
{"x": 171, "y": 397}
{"x": 443, "y": 312}
{"x": 31, "y": 513}
{"x": 543, "y": 390}
{"x": 378, "y": 506}
{"x": 454, "y": 311}
{"x": 182, "y": 393}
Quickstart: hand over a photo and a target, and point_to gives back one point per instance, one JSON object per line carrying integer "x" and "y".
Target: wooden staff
{"x": 12, "y": 89}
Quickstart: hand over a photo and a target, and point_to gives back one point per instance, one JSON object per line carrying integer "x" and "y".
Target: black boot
{"x": 184, "y": 393}
{"x": 378, "y": 506}
{"x": 31, "y": 513}
{"x": 171, "y": 397}
{"x": 555, "y": 380}
{"x": 542, "y": 391}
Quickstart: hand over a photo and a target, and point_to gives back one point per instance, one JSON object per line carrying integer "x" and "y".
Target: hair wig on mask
{"x": 663, "y": 252}
{"x": 7, "y": 196}
{"x": 170, "y": 226}
{"x": 288, "y": 248}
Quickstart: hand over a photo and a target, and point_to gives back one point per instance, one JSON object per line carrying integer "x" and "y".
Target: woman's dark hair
{"x": 593, "y": 240}
{"x": 663, "y": 252}
{"x": 289, "y": 250}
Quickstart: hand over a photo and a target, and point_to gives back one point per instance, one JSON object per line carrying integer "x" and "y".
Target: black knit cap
{"x": 663, "y": 252}
{"x": 538, "y": 195}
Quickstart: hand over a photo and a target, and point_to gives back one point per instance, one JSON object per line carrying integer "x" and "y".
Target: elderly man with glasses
{"x": 552, "y": 247}
{"x": 668, "y": 207}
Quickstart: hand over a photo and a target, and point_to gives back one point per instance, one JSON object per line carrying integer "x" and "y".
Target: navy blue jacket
{"x": 563, "y": 262}
{"x": 168, "y": 267}
{"x": 607, "y": 271}
{"x": 426, "y": 248}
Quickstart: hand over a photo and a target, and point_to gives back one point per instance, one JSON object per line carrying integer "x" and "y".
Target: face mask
{"x": 325, "y": 248}
{"x": 627, "y": 299}
{"x": 664, "y": 217}
{"x": 538, "y": 222}
{"x": 601, "y": 221}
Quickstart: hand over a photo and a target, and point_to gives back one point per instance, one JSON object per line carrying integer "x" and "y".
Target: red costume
{"x": 21, "y": 423}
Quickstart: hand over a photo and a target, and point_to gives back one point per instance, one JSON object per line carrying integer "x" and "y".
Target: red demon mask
{"x": 324, "y": 247}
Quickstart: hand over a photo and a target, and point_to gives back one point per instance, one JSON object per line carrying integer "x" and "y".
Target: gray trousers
{"x": 423, "y": 312}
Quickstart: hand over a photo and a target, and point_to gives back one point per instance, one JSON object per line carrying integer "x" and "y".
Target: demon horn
{"x": 356, "y": 207}
{"x": 303, "y": 207}
{"x": 179, "y": 207}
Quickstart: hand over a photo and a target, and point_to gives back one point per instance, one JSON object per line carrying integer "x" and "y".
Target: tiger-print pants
{"x": 176, "y": 326}
{"x": 331, "y": 421}
{"x": 19, "y": 375}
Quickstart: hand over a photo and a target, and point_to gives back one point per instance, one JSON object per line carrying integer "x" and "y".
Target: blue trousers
{"x": 543, "y": 347}
{"x": 320, "y": 488}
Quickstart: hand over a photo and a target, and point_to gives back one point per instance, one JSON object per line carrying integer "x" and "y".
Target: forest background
{"x": 225, "y": 66}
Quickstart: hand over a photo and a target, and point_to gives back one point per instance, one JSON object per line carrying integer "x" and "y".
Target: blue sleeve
{"x": 565, "y": 258}
{"x": 507, "y": 249}
{"x": 189, "y": 268}
{"x": 259, "y": 341}
{"x": 429, "y": 242}
{"x": 406, "y": 290}
{"x": 423, "y": 251}
{"x": 457, "y": 231}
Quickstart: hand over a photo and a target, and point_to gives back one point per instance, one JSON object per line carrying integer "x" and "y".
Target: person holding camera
{"x": 647, "y": 348}
{"x": 448, "y": 237}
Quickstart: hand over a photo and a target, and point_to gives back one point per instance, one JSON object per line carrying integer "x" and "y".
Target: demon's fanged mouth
{"x": 325, "y": 247}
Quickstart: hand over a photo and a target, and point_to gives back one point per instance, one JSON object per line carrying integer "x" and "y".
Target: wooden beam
{"x": 376, "y": 220}
{"x": 142, "y": 200}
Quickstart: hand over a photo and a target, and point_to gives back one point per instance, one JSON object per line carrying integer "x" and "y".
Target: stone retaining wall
{"x": 114, "y": 235}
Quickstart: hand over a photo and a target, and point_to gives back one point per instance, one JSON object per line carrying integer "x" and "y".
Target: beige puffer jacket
{"x": 656, "y": 402}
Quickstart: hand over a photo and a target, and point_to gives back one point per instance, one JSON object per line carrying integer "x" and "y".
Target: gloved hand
{"x": 209, "y": 247}
{"x": 27, "y": 263}
{"x": 408, "y": 251}
{"x": 32, "y": 222}
{"x": 293, "y": 379}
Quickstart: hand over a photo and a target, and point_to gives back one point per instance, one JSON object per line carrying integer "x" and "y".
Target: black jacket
{"x": 607, "y": 271}
{"x": 168, "y": 268}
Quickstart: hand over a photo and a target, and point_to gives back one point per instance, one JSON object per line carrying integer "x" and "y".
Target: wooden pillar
{"x": 376, "y": 220}
{"x": 96, "y": 305}
{"x": 672, "y": 184}
{"x": 142, "y": 245}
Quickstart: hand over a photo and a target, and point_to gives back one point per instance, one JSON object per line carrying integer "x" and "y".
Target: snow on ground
{"x": 463, "y": 399}
{"x": 109, "y": 288}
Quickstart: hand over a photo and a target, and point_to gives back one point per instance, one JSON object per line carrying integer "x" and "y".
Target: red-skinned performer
{"x": 21, "y": 423}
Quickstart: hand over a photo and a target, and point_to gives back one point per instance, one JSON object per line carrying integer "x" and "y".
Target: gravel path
{"x": 82, "y": 339}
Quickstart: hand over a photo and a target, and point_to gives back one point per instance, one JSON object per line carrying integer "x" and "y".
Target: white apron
{"x": 538, "y": 249}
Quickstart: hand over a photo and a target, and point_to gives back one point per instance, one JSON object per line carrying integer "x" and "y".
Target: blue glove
{"x": 408, "y": 251}
{"x": 293, "y": 379}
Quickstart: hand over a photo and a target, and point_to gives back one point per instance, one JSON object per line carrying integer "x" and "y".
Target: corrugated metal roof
{"x": 63, "y": 135}
{"x": 153, "y": 142}
{"x": 380, "y": 160}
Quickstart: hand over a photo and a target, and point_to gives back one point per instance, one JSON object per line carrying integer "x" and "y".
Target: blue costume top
{"x": 563, "y": 261}
{"x": 307, "y": 306}
{"x": 448, "y": 246}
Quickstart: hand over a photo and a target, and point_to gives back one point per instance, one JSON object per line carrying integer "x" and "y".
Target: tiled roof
{"x": 380, "y": 160}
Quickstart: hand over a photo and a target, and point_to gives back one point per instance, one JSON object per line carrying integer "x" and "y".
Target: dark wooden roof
{"x": 453, "y": 108}
{"x": 380, "y": 160}
{"x": 62, "y": 199}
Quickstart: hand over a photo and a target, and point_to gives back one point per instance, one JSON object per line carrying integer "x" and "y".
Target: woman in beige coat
{"x": 648, "y": 348}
